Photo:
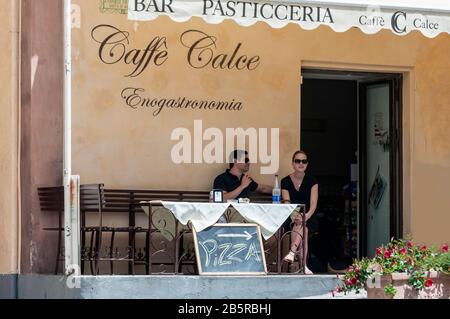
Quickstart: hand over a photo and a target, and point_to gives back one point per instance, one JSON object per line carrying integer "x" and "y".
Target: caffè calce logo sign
{"x": 202, "y": 52}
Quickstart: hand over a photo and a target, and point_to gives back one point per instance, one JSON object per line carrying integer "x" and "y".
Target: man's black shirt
{"x": 229, "y": 182}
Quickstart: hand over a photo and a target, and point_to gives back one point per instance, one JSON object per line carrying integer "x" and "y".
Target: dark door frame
{"x": 395, "y": 154}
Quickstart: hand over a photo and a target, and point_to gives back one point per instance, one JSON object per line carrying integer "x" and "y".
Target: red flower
{"x": 387, "y": 254}
{"x": 428, "y": 282}
{"x": 356, "y": 270}
{"x": 403, "y": 251}
{"x": 354, "y": 281}
{"x": 444, "y": 248}
{"x": 409, "y": 244}
{"x": 378, "y": 251}
{"x": 424, "y": 247}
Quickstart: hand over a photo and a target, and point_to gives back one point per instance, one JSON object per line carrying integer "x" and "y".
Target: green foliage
{"x": 398, "y": 256}
{"x": 442, "y": 262}
{"x": 417, "y": 280}
{"x": 390, "y": 290}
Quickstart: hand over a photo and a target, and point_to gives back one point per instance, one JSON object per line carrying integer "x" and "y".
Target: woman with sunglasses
{"x": 299, "y": 188}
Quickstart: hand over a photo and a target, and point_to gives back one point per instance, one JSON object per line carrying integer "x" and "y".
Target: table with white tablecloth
{"x": 270, "y": 217}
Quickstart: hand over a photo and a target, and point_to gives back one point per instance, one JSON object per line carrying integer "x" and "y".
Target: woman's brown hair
{"x": 298, "y": 152}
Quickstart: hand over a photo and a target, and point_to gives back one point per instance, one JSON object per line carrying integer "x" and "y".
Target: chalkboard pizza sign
{"x": 230, "y": 249}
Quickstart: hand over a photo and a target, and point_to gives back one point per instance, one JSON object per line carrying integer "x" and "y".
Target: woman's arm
{"x": 285, "y": 196}
{"x": 313, "y": 202}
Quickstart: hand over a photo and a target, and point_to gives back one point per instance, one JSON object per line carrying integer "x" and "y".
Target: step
{"x": 176, "y": 287}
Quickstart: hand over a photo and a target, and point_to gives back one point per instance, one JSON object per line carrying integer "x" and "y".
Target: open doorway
{"x": 350, "y": 129}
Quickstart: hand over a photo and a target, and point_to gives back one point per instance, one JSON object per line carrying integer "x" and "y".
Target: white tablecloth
{"x": 269, "y": 217}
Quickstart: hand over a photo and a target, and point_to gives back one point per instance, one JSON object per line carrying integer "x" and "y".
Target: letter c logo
{"x": 394, "y": 21}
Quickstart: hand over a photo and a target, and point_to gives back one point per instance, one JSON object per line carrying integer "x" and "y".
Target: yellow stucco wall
{"x": 9, "y": 213}
{"x": 122, "y": 147}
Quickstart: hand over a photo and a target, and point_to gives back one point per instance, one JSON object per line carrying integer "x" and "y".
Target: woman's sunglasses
{"x": 299, "y": 161}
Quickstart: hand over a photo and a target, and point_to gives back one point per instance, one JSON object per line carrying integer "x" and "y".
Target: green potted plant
{"x": 400, "y": 270}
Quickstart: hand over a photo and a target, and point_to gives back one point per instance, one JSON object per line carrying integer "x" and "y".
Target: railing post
{"x": 149, "y": 240}
{"x": 279, "y": 246}
{"x": 131, "y": 239}
{"x": 304, "y": 257}
{"x": 178, "y": 239}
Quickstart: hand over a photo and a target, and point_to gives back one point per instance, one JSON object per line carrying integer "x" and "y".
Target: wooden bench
{"x": 51, "y": 199}
{"x": 96, "y": 200}
{"x": 130, "y": 201}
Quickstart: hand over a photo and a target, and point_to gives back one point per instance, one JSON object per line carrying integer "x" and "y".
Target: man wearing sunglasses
{"x": 235, "y": 182}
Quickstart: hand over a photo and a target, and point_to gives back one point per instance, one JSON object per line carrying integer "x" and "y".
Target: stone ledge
{"x": 8, "y": 286}
{"x": 177, "y": 287}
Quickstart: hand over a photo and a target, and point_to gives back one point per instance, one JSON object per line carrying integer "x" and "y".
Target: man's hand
{"x": 246, "y": 180}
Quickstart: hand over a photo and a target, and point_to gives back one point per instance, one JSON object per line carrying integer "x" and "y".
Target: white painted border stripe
{"x": 344, "y": 16}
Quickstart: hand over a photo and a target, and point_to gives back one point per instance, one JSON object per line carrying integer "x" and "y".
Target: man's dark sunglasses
{"x": 298, "y": 161}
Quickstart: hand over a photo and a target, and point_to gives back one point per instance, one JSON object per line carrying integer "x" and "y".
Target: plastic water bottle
{"x": 276, "y": 192}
